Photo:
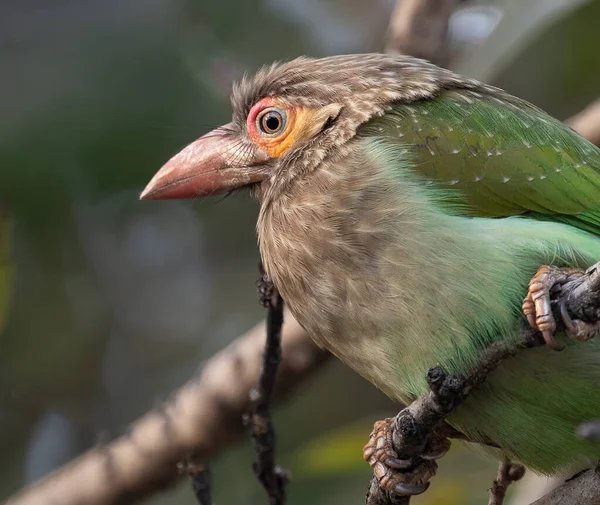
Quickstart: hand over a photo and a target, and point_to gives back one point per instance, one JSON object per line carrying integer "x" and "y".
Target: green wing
{"x": 505, "y": 156}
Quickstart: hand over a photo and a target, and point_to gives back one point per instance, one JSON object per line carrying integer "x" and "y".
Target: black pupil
{"x": 272, "y": 122}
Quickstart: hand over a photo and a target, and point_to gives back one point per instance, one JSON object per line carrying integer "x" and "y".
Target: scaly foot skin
{"x": 538, "y": 310}
{"x": 402, "y": 477}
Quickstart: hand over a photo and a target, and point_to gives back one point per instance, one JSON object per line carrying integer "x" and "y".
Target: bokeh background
{"x": 106, "y": 303}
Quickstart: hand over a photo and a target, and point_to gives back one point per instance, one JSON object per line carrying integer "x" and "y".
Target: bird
{"x": 410, "y": 217}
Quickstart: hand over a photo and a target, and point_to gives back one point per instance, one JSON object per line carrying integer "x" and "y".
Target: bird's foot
{"x": 405, "y": 477}
{"x": 538, "y": 310}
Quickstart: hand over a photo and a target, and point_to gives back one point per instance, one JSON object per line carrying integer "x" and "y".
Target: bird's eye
{"x": 271, "y": 121}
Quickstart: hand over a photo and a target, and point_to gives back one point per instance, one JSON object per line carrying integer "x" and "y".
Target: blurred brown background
{"x": 107, "y": 303}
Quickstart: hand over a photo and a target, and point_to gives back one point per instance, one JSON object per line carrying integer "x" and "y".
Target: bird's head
{"x": 289, "y": 117}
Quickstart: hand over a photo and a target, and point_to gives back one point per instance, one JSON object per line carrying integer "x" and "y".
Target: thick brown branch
{"x": 582, "y": 490}
{"x": 201, "y": 420}
{"x": 420, "y": 28}
{"x": 587, "y": 122}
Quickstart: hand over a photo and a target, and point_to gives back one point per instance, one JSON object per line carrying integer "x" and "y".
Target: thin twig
{"x": 583, "y": 294}
{"x": 507, "y": 474}
{"x": 258, "y": 420}
{"x": 201, "y": 479}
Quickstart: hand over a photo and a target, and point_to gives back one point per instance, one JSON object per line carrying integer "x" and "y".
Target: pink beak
{"x": 215, "y": 163}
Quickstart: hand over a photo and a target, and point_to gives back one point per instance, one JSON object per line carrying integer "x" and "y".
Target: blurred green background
{"x": 107, "y": 303}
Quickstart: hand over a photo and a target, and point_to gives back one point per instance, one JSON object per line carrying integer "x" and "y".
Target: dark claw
{"x": 410, "y": 489}
{"x": 564, "y": 313}
{"x": 549, "y": 339}
{"x": 399, "y": 464}
{"x": 580, "y": 330}
{"x": 436, "y": 449}
{"x": 432, "y": 456}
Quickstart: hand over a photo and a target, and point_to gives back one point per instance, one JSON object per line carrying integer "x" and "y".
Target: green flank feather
{"x": 481, "y": 156}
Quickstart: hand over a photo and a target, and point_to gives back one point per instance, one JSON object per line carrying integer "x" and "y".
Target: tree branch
{"x": 420, "y": 28}
{"x": 582, "y": 490}
{"x": 273, "y": 478}
{"x": 201, "y": 420}
{"x": 201, "y": 478}
{"x": 507, "y": 474}
{"x": 587, "y": 122}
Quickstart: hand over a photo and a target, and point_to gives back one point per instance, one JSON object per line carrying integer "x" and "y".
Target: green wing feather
{"x": 502, "y": 155}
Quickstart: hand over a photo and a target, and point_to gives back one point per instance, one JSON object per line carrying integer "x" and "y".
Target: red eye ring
{"x": 256, "y": 115}
{"x": 278, "y": 136}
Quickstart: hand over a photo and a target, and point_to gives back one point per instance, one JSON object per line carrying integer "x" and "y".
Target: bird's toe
{"x": 404, "y": 477}
{"x": 537, "y": 304}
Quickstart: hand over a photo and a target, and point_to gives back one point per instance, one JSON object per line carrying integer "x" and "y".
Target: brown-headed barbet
{"x": 404, "y": 210}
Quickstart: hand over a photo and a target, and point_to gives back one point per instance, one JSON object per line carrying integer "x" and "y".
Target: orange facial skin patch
{"x": 297, "y": 128}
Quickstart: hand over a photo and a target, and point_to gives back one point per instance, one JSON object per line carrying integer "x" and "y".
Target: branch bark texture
{"x": 582, "y": 490}
{"x": 201, "y": 420}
